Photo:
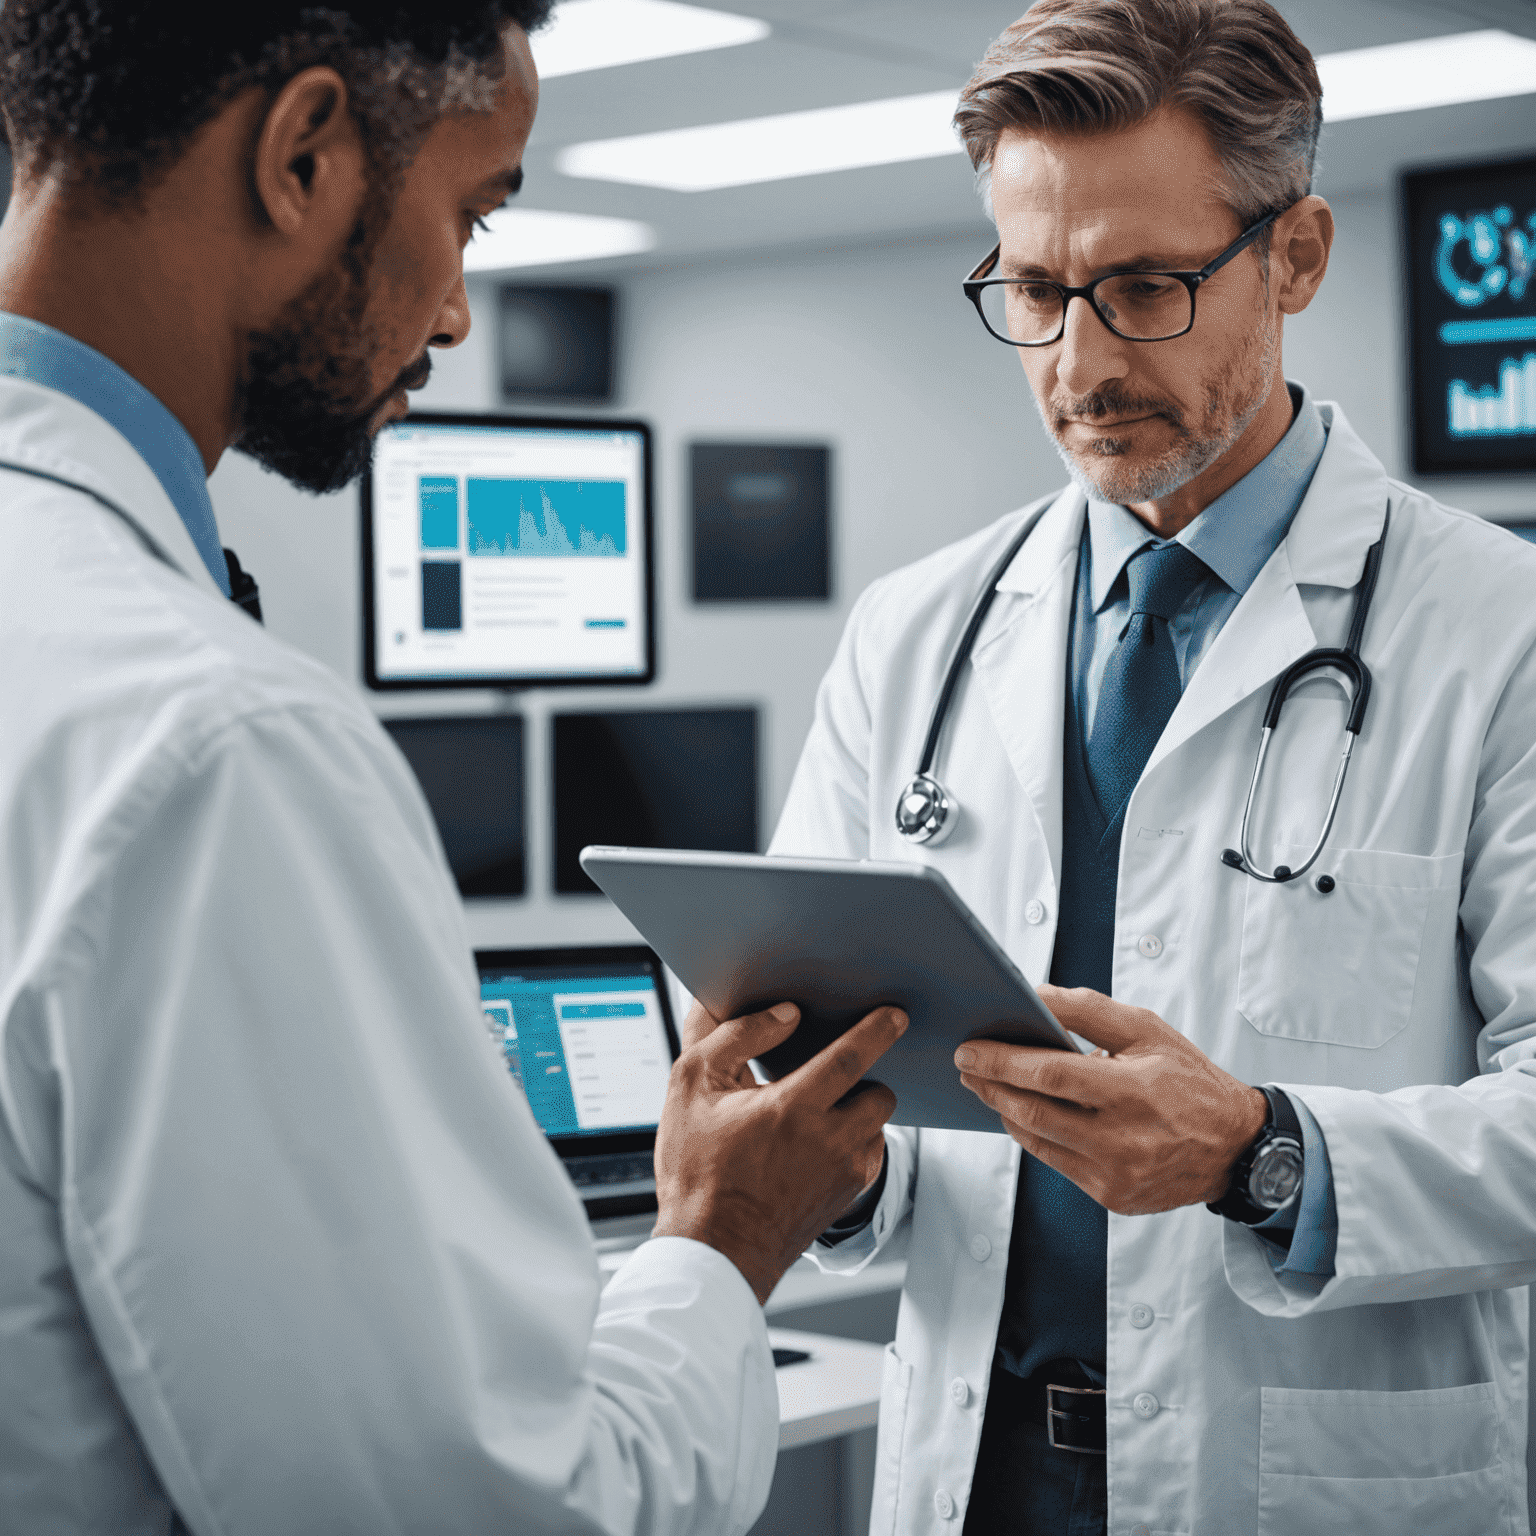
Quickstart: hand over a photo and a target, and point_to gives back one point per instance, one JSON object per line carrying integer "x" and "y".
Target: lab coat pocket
{"x": 1337, "y": 966}
{"x": 1381, "y": 1462}
{"x": 895, "y": 1388}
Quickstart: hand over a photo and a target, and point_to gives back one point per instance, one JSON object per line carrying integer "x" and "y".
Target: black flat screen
{"x": 471, "y": 771}
{"x": 664, "y": 778}
{"x": 1470, "y": 236}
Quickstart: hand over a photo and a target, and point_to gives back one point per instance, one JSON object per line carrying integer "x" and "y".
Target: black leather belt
{"x": 1072, "y": 1415}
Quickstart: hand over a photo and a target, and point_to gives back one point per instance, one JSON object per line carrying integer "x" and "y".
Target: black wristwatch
{"x": 1269, "y": 1174}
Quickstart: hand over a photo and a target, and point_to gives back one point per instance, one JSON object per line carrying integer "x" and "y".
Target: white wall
{"x": 871, "y": 349}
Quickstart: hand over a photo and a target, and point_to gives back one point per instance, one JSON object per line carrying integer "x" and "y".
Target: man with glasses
{"x": 1258, "y": 1262}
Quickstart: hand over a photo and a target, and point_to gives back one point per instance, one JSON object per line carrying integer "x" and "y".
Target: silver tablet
{"x": 838, "y": 938}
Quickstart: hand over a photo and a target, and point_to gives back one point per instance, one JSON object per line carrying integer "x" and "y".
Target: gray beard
{"x": 1106, "y": 477}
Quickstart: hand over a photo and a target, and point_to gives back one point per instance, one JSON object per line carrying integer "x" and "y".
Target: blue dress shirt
{"x": 36, "y": 352}
{"x": 1234, "y": 536}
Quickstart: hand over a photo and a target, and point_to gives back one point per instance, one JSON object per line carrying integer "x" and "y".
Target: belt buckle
{"x": 1069, "y": 1415}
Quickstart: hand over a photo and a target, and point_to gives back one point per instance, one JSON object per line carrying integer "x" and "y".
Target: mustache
{"x": 413, "y": 376}
{"x": 1098, "y": 403}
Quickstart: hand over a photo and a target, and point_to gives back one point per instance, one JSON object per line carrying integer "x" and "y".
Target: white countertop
{"x": 835, "y": 1392}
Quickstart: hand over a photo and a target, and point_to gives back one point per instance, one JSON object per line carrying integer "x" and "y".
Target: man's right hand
{"x": 758, "y": 1171}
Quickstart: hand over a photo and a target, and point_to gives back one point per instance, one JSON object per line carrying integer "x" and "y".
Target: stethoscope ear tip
{"x": 1231, "y": 858}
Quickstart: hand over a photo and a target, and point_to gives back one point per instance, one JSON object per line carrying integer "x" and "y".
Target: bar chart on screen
{"x": 523, "y": 518}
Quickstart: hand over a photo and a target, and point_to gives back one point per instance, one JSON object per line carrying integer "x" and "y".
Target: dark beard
{"x": 305, "y": 405}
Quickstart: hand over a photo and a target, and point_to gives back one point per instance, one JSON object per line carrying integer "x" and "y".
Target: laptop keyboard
{"x": 595, "y": 1174}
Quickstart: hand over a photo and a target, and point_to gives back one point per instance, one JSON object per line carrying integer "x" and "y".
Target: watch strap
{"x": 1281, "y": 1120}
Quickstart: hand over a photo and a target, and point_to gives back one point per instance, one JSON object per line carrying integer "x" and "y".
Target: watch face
{"x": 1276, "y": 1175}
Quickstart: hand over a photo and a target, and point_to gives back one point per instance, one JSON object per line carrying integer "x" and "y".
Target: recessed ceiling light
{"x": 597, "y": 34}
{"x": 1431, "y": 72}
{"x": 532, "y": 237}
{"x": 774, "y": 148}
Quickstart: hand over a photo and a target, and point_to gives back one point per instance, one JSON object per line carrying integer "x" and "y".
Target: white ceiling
{"x": 826, "y": 52}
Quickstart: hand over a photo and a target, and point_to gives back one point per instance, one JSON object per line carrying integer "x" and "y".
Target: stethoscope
{"x": 926, "y": 812}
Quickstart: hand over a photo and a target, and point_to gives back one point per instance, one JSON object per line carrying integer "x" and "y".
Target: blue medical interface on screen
{"x": 590, "y": 1052}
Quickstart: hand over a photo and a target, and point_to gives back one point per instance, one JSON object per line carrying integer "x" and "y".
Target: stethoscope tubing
{"x": 1324, "y": 658}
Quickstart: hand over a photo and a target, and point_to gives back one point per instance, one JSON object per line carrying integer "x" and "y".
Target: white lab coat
{"x": 1401, "y": 1009}
{"x": 274, "y": 1215}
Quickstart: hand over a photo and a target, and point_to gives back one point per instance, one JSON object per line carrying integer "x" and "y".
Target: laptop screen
{"x": 588, "y": 1036}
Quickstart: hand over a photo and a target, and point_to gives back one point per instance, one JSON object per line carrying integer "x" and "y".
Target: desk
{"x": 834, "y": 1393}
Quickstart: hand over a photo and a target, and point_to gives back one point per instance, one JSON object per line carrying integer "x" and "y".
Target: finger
{"x": 1047, "y": 1119}
{"x": 865, "y": 1108}
{"x": 834, "y": 1069}
{"x": 699, "y": 1025}
{"x": 1115, "y": 1026}
{"x": 730, "y": 1046}
{"x": 1078, "y": 1078}
{"x": 1069, "y": 1164}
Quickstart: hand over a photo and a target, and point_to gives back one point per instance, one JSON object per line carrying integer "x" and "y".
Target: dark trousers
{"x": 1045, "y": 1492}
{"x": 1024, "y": 1486}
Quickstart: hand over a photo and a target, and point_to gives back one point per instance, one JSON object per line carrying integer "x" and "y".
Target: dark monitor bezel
{"x": 641, "y": 955}
{"x": 518, "y": 680}
{"x": 1425, "y": 458}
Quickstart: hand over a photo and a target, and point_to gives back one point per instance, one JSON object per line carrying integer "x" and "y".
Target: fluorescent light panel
{"x": 599, "y": 34}
{"x": 774, "y": 148}
{"x": 533, "y": 237}
{"x": 1431, "y": 72}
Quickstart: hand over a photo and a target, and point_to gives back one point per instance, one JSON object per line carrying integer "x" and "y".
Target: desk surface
{"x": 835, "y": 1392}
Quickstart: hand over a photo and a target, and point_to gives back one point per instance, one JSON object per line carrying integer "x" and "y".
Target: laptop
{"x": 588, "y": 1036}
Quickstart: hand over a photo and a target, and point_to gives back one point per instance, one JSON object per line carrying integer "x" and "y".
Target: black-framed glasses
{"x": 1135, "y": 305}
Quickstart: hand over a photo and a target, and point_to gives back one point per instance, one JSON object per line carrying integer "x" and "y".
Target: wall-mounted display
{"x": 502, "y": 551}
{"x": 471, "y": 770}
{"x": 556, "y": 342}
{"x": 1470, "y": 257}
{"x": 661, "y": 778}
{"x": 761, "y": 522}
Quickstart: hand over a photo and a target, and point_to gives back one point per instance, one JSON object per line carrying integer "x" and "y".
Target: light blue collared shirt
{"x": 36, "y": 352}
{"x": 1234, "y": 536}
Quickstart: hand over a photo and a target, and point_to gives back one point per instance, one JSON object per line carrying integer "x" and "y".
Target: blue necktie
{"x": 1141, "y": 682}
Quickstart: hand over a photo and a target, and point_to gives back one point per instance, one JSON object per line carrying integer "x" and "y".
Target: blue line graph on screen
{"x": 523, "y": 518}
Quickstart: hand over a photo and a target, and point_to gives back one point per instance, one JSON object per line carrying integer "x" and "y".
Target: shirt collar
{"x": 1241, "y": 529}
{"x": 39, "y": 353}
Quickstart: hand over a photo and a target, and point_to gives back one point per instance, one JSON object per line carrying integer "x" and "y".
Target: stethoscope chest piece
{"x": 925, "y": 813}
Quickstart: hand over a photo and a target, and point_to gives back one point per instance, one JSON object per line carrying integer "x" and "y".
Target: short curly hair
{"x": 109, "y": 93}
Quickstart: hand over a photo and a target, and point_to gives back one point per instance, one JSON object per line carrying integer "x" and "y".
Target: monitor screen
{"x": 471, "y": 771}
{"x": 662, "y": 778}
{"x": 506, "y": 551}
{"x": 587, "y": 1035}
{"x": 1471, "y": 262}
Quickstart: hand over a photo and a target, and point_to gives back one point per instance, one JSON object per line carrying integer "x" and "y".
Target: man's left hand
{"x": 1147, "y": 1124}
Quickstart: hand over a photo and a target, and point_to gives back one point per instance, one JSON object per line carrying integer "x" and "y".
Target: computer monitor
{"x": 588, "y": 1036}
{"x": 658, "y": 778}
{"x": 471, "y": 770}
{"x": 507, "y": 551}
{"x": 1470, "y": 255}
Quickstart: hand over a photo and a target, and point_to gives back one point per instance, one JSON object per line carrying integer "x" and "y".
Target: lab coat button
{"x": 959, "y": 1393}
{"x": 1144, "y": 1405}
{"x": 943, "y": 1504}
{"x": 1034, "y": 912}
{"x": 981, "y": 1248}
{"x": 1141, "y": 1315}
{"x": 1150, "y": 945}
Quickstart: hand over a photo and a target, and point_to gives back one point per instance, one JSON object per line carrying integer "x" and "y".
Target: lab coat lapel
{"x": 1020, "y": 659}
{"x": 1338, "y": 520}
